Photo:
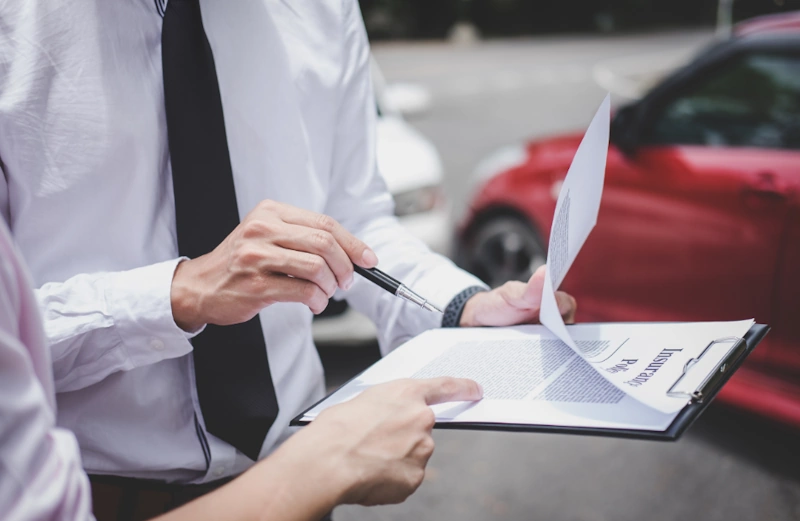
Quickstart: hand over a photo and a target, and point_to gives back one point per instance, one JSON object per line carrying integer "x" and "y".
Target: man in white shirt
{"x": 371, "y": 450}
{"x": 88, "y": 154}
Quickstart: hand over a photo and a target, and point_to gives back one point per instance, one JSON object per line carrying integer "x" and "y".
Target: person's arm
{"x": 362, "y": 204}
{"x": 371, "y": 450}
{"x": 40, "y": 466}
{"x": 360, "y": 201}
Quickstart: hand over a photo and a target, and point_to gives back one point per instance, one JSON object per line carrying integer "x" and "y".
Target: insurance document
{"x": 530, "y": 376}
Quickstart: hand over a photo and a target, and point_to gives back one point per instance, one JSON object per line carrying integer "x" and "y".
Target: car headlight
{"x": 418, "y": 200}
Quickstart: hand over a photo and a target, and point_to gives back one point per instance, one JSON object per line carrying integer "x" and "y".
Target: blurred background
{"x": 481, "y": 106}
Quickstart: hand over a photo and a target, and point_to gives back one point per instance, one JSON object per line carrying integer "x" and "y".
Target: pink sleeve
{"x": 40, "y": 466}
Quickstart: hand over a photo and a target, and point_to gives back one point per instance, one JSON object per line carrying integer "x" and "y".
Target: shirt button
{"x": 157, "y": 344}
{"x": 218, "y": 472}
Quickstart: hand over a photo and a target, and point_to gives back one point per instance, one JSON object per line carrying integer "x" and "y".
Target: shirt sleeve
{"x": 102, "y": 323}
{"x": 99, "y": 324}
{"x": 40, "y": 466}
{"x": 360, "y": 201}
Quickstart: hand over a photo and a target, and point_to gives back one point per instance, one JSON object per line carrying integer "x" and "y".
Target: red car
{"x": 700, "y": 218}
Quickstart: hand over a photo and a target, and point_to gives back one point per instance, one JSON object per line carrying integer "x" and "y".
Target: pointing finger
{"x": 447, "y": 389}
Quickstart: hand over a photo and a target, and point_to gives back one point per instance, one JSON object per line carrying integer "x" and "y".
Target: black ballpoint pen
{"x": 394, "y": 286}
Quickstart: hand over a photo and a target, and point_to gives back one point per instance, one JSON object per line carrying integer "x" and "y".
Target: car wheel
{"x": 502, "y": 248}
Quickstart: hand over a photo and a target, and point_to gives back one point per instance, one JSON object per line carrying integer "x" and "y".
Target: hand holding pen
{"x": 280, "y": 253}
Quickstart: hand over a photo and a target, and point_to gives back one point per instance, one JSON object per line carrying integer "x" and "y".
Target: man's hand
{"x": 375, "y": 447}
{"x": 278, "y": 253}
{"x": 514, "y": 303}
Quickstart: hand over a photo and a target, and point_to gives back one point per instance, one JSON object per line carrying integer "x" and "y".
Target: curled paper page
{"x": 576, "y": 214}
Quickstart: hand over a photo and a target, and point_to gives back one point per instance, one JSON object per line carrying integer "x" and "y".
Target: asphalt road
{"x": 729, "y": 466}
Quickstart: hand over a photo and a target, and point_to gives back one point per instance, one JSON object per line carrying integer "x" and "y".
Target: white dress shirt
{"x": 87, "y": 192}
{"x": 40, "y": 465}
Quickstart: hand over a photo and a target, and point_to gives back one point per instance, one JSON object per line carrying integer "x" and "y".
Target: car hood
{"x": 406, "y": 159}
{"x": 518, "y": 159}
{"x": 509, "y": 165}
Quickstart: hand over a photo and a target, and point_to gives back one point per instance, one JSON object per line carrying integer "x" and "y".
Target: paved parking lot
{"x": 728, "y": 467}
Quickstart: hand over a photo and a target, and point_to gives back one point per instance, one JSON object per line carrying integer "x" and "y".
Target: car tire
{"x": 500, "y": 248}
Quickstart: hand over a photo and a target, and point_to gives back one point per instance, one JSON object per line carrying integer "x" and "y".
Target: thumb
{"x": 533, "y": 290}
{"x": 448, "y": 389}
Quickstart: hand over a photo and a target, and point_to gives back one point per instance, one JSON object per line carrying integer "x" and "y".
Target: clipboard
{"x": 699, "y": 396}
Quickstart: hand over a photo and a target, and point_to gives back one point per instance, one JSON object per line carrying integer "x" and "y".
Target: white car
{"x": 413, "y": 171}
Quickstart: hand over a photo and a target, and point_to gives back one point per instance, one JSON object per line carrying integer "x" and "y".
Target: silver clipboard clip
{"x": 711, "y": 380}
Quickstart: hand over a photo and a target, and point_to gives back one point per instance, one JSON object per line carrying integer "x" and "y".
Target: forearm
{"x": 371, "y": 450}
{"x": 293, "y": 484}
{"x": 98, "y": 324}
{"x": 360, "y": 201}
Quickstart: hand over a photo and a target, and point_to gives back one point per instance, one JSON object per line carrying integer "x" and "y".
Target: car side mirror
{"x": 624, "y": 132}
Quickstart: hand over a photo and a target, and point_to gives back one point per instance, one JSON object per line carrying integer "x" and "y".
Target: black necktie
{"x": 234, "y": 384}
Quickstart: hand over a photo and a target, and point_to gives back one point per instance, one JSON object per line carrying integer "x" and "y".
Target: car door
{"x": 693, "y": 221}
{"x": 785, "y": 347}
{"x": 785, "y": 350}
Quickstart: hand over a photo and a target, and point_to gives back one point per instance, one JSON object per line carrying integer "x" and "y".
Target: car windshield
{"x": 753, "y": 102}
